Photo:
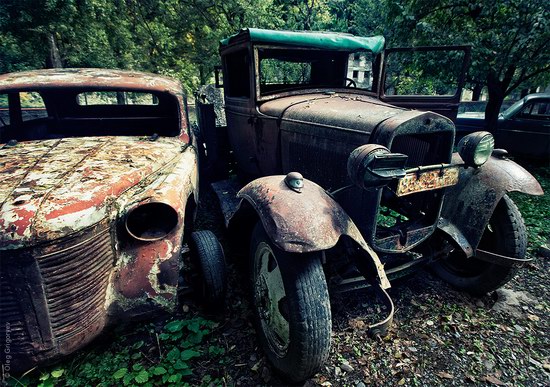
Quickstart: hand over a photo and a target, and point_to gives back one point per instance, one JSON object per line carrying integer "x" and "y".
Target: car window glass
{"x": 360, "y": 70}
{"x": 430, "y": 73}
{"x": 116, "y": 98}
{"x": 274, "y": 71}
{"x": 32, "y": 106}
{"x": 4, "y": 110}
{"x": 293, "y": 69}
{"x": 536, "y": 111}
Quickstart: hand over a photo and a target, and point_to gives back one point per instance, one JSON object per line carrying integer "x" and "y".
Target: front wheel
{"x": 506, "y": 235}
{"x": 291, "y": 307}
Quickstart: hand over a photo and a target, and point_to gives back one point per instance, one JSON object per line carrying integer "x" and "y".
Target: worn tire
{"x": 505, "y": 235}
{"x": 207, "y": 256}
{"x": 305, "y": 306}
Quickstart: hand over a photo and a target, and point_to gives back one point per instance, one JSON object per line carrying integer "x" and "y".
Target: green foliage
{"x": 535, "y": 209}
{"x": 151, "y": 356}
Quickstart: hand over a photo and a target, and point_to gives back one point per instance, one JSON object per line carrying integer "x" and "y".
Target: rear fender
{"x": 306, "y": 221}
{"x": 469, "y": 205}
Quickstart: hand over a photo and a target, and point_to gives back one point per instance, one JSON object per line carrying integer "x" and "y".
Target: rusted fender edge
{"x": 469, "y": 205}
{"x": 301, "y": 222}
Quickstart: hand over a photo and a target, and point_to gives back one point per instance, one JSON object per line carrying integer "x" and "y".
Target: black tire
{"x": 294, "y": 331}
{"x": 505, "y": 235}
{"x": 207, "y": 256}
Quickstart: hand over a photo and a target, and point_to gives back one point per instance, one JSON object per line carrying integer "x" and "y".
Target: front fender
{"x": 303, "y": 222}
{"x": 469, "y": 205}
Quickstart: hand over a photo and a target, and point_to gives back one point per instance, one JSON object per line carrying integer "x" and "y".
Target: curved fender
{"x": 306, "y": 221}
{"x": 469, "y": 205}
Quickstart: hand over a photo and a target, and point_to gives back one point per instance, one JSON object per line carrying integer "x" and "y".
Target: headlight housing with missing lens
{"x": 373, "y": 166}
{"x": 476, "y": 148}
{"x": 151, "y": 221}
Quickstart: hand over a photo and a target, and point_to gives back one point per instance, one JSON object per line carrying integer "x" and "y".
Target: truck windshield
{"x": 283, "y": 69}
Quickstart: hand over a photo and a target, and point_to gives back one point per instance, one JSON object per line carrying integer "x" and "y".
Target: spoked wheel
{"x": 207, "y": 256}
{"x": 291, "y": 307}
{"x": 506, "y": 235}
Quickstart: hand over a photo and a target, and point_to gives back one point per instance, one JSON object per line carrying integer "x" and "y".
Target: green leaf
{"x": 159, "y": 370}
{"x": 137, "y": 367}
{"x": 173, "y": 354}
{"x": 57, "y": 373}
{"x": 174, "y": 378}
{"x": 142, "y": 377}
{"x": 120, "y": 373}
{"x": 180, "y": 365}
{"x": 189, "y": 354}
{"x": 194, "y": 326}
{"x": 174, "y": 326}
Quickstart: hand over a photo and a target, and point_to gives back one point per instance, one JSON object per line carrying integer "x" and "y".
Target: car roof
{"x": 88, "y": 78}
{"x": 310, "y": 39}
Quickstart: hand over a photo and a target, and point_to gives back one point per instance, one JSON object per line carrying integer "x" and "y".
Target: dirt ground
{"x": 439, "y": 337}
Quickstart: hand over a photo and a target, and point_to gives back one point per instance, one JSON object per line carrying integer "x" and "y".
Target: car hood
{"x": 338, "y": 110}
{"x": 53, "y": 188}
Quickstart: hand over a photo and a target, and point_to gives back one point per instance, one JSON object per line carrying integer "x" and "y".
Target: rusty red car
{"x": 99, "y": 189}
{"x": 345, "y": 175}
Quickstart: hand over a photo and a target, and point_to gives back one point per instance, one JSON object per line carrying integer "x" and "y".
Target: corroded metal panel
{"x": 478, "y": 192}
{"x": 303, "y": 222}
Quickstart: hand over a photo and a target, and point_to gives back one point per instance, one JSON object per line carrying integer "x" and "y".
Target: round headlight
{"x": 151, "y": 221}
{"x": 360, "y": 163}
{"x": 476, "y": 148}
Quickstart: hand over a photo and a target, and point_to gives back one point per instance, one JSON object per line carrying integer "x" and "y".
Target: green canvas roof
{"x": 327, "y": 40}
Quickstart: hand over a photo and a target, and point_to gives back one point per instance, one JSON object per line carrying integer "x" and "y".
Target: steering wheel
{"x": 351, "y": 83}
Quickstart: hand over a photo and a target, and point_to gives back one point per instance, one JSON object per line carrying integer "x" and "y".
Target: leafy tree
{"x": 510, "y": 39}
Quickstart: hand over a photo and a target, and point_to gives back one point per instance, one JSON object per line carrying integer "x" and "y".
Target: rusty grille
{"x": 424, "y": 149}
{"x": 76, "y": 274}
{"x": 12, "y": 317}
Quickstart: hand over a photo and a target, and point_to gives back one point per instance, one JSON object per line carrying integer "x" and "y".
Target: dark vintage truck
{"x": 336, "y": 167}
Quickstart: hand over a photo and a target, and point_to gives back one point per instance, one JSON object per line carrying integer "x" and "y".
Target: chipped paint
{"x": 62, "y": 204}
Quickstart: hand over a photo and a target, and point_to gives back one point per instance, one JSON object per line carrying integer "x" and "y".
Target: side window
{"x": 536, "y": 111}
{"x": 4, "y": 110}
{"x": 237, "y": 82}
{"x": 116, "y": 98}
{"x": 32, "y": 106}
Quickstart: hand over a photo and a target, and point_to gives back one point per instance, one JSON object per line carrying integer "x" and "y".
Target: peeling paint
{"x": 70, "y": 262}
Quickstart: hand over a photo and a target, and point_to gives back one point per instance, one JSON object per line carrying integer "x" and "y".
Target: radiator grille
{"x": 75, "y": 275}
{"x": 12, "y": 319}
{"x": 424, "y": 149}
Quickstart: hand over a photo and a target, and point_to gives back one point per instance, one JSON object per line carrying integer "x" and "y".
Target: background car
{"x": 523, "y": 129}
{"x": 99, "y": 187}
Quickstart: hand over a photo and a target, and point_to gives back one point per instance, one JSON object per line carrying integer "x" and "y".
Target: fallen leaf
{"x": 533, "y": 317}
{"x": 401, "y": 382}
{"x": 445, "y": 375}
{"x": 493, "y": 380}
{"x": 357, "y": 324}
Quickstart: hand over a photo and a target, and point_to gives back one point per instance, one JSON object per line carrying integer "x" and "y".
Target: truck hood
{"x": 339, "y": 110}
{"x": 53, "y": 188}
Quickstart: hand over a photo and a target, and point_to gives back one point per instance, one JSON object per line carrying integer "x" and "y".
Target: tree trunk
{"x": 54, "y": 58}
{"x": 496, "y": 96}
{"x": 477, "y": 91}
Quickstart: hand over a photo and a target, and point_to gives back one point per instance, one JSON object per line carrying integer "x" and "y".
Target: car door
{"x": 527, "y": 132}
{"x": 425, "y": 78}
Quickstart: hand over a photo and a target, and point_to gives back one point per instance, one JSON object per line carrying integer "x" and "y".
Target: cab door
{"x": 425, "y": 78}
